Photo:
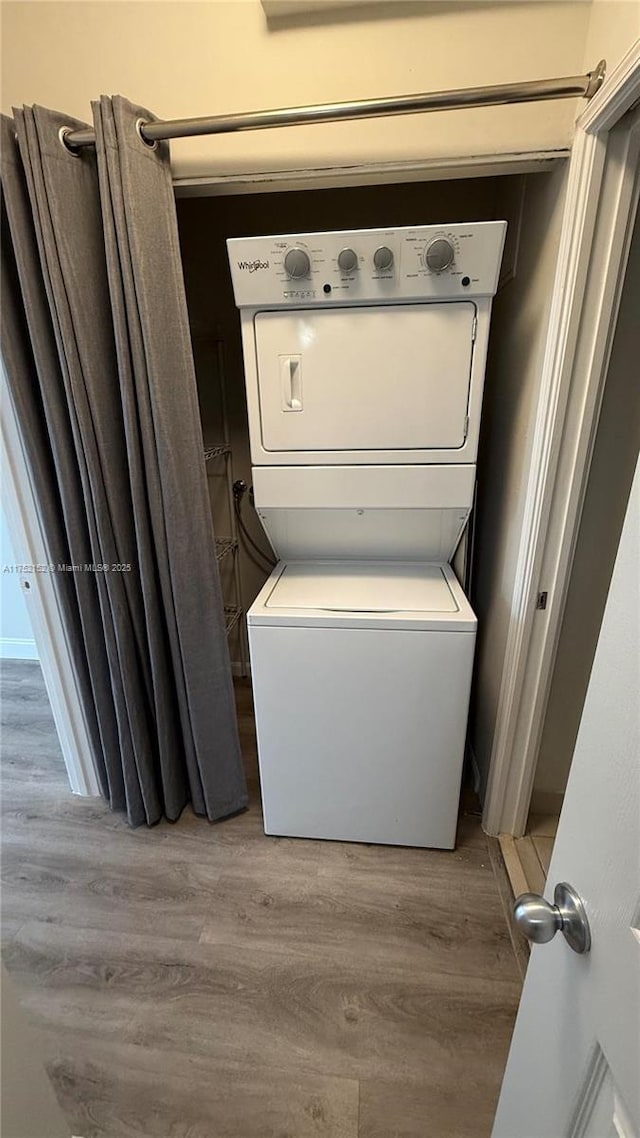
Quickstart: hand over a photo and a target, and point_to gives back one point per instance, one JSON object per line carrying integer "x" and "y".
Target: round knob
{"x": 348, "y": 260}
{"x": 297, "y": 263}
{"x": 439, "y": 255}
{"x": 539, "y": 920}
{"x": 383, "y": 258}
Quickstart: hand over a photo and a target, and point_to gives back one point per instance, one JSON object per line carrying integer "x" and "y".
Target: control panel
{"x": 423, "y": 262}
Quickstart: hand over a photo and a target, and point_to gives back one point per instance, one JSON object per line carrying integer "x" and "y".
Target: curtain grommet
{"x": 150, "y": 145}
{"x": 62, "y": 135}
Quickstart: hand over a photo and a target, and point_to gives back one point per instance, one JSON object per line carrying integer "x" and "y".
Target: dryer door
{"x": 392, "y": 378}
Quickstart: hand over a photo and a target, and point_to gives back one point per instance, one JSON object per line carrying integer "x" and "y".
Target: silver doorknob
{"x": 539, "y": 920}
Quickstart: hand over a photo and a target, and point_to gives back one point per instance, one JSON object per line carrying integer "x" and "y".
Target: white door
{"x": 574, "y": 1065}
{"x": 362, "y": 379}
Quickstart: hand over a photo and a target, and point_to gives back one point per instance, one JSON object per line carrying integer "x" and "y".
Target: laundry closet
{"x": 530, "y": 201}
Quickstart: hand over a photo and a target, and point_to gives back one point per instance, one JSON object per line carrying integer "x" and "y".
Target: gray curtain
{"x": 95, "y": 342}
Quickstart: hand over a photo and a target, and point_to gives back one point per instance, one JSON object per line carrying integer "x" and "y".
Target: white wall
{"x": 613, "y": 27}
{"x": 183, "y": 58}
{"x": 16, "y": 634}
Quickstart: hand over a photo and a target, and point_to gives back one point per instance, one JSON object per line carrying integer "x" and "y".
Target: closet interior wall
{"x": 531, "y": 204}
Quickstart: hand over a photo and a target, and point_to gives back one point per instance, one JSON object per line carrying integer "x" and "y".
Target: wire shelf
{"x": 225, "y": 545}
{"x": 232, "y": 614}
{"x": 216, "y": 451}
{"x": 220, "y": 477}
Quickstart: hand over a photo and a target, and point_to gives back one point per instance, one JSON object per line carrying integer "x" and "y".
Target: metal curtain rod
{"x": 576, "y": 86}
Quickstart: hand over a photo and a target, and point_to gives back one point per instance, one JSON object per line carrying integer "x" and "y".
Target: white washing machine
{"x": 364, "y": 359}
{"x": 363, "y": 672}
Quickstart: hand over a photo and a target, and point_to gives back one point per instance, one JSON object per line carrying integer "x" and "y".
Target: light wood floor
{"x": 199, "y": 981}
{"x": 527, "y": 859}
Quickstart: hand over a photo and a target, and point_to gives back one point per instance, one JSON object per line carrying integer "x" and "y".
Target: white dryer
{"x": 364, "y": 360}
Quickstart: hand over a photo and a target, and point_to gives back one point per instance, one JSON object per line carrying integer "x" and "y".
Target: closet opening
{"x": 531, "y": 203}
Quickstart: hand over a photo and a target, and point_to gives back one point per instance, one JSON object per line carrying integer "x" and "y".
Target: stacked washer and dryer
{"x": 365, "y": 356}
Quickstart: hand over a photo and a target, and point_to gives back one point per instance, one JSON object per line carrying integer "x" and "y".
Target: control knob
{"x": 439, "y": 255}
{"x": 297, "y": 263}
{"x": 348, "y": 260}
{"x": 383, "y": 258}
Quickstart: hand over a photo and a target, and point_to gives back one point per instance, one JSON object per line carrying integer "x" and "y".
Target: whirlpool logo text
{"x": 253, "y": 266}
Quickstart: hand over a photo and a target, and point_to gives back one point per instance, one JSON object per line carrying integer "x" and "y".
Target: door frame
{"x": 586, "y": 287}
{"x": 54, "y": 652}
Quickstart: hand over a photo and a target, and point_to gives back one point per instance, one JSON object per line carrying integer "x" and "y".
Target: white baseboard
{"x": 12, "y": 648}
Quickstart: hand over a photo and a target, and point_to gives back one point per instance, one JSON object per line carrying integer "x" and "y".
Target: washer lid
{"x": 366, "y": 587}
{"x": 408, "y": 595}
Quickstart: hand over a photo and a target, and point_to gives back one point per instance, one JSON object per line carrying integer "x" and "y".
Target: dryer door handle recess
{"x": 291, "y": 382}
